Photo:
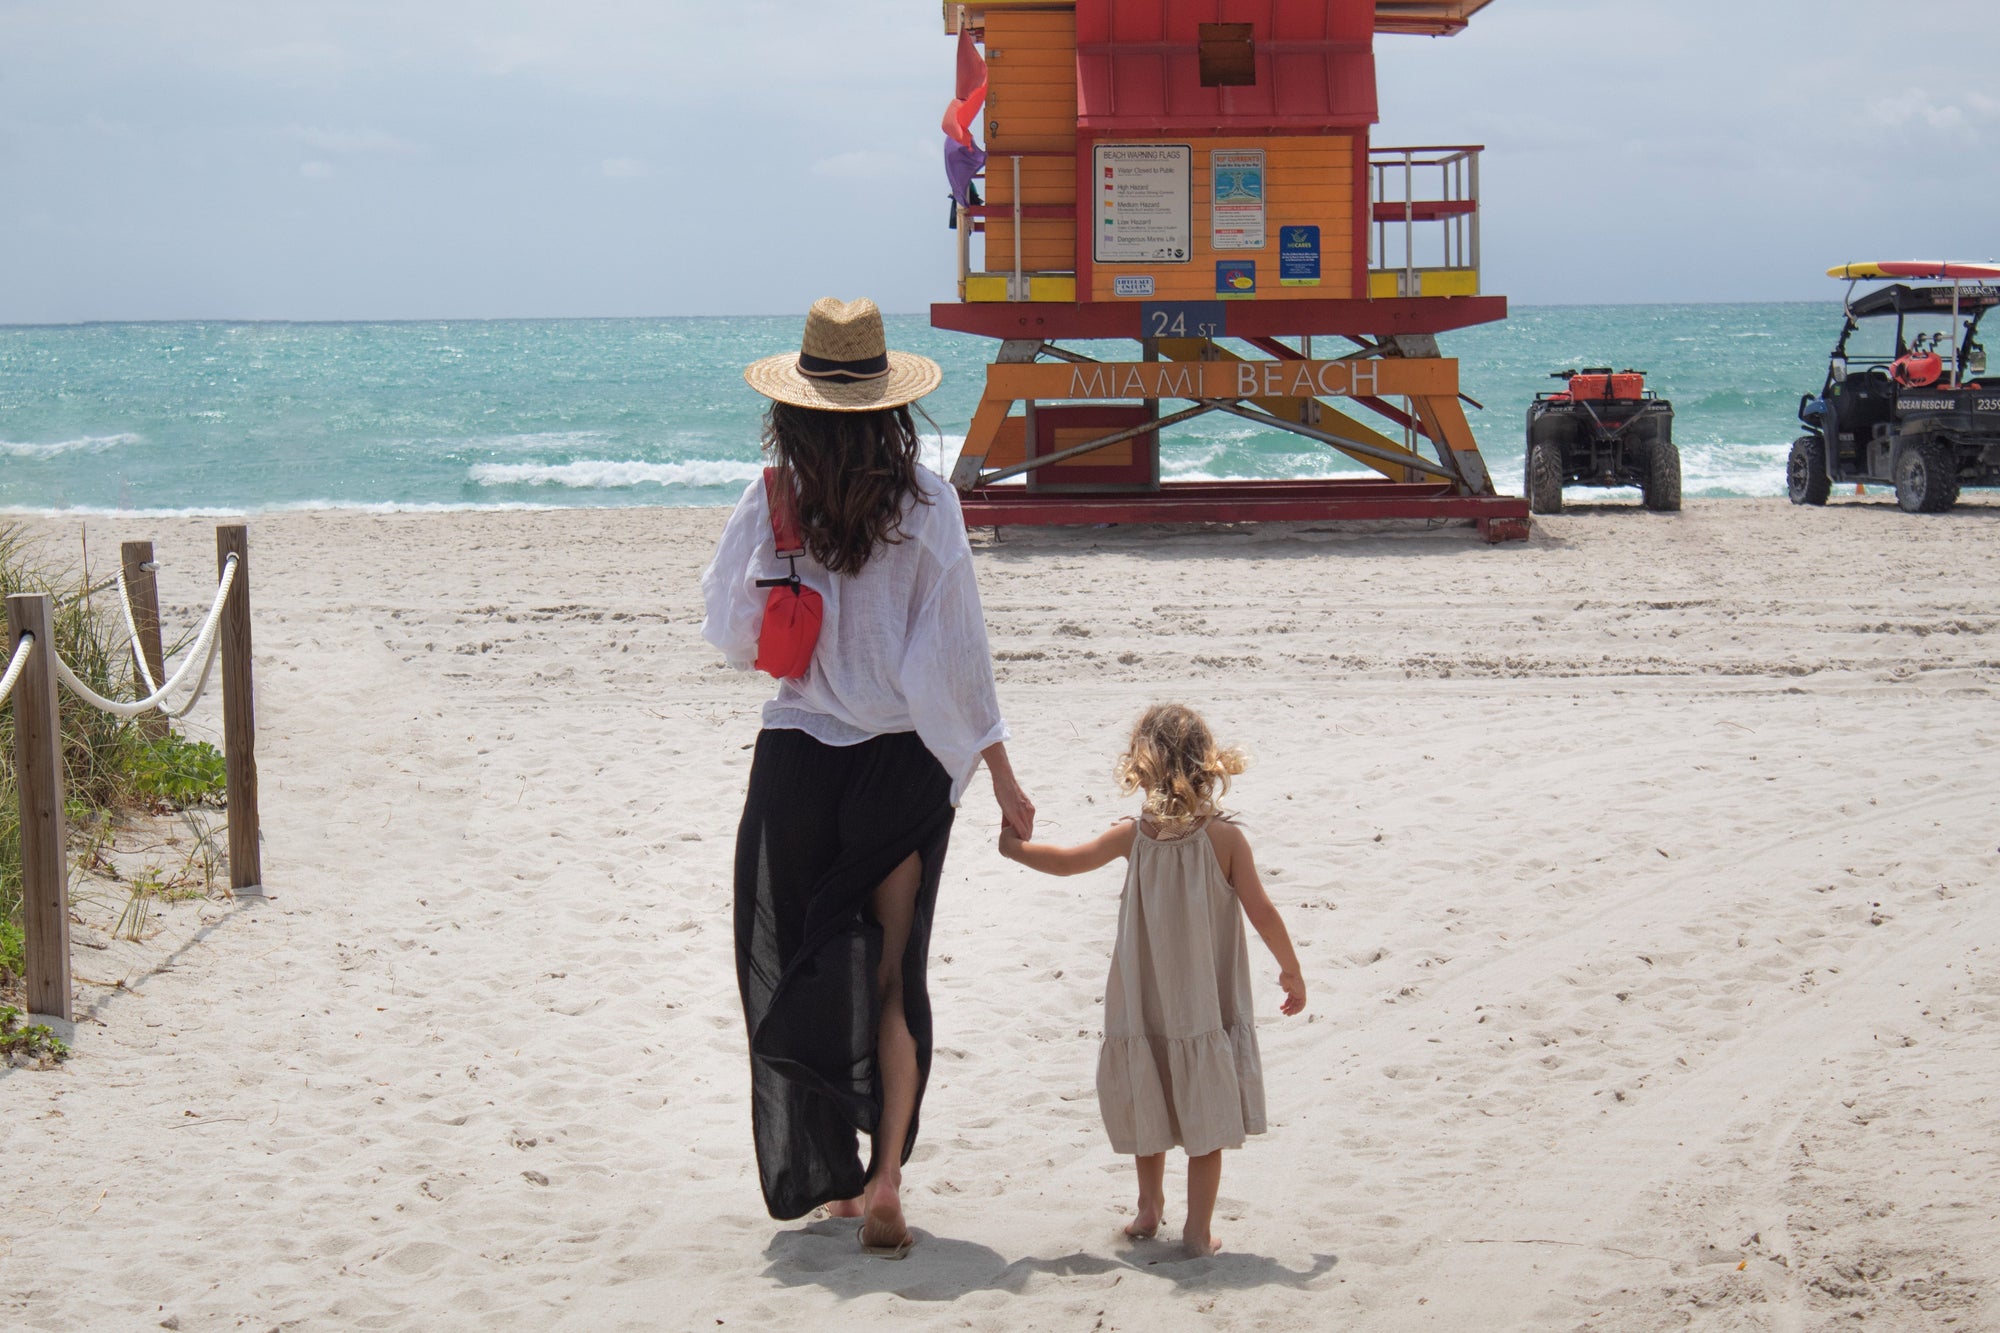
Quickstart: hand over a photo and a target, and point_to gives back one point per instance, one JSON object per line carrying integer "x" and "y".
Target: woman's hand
{"x": 1016, "y": 810}
{"x": 1295, "y": 993}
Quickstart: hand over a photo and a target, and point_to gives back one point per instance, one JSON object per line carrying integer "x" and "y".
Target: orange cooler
{"x": 1628, "y": 384}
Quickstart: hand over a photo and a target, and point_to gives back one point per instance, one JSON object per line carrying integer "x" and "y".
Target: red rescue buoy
{"x": 1918, "y": 370}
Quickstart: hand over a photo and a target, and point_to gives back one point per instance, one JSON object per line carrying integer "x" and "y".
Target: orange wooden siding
{"x": 1030, "y": 82}
{"x": 1031, "y": 107}
{"x": 1048, "y": 245}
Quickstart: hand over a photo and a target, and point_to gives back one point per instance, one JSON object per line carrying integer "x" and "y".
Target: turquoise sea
{"x": 496, "y": 413}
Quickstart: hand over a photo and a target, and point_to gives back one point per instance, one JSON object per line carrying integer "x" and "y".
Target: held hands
{"x": 1294, "y": 986}
{"x": 1010, "y": 843}
{"x": 1017, "y": 812}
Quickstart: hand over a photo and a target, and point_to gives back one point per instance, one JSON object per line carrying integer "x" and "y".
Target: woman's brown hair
{"x": 1174, "y": 759}
{"x": 852, "y": 472}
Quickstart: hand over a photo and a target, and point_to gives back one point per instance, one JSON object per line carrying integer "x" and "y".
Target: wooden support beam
{"x": 239, "y": 716}
{"x": 143, "y": 588}
{"x": 1444, "y": 421}
{"x": 1304, "y": 409}
{"x": 38, "y": 773}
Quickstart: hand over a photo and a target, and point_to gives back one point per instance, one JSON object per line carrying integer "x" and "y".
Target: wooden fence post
{"x": 239, "y": 716}
{"x": 136, "y": 558}
{"x": 38, "y": 773}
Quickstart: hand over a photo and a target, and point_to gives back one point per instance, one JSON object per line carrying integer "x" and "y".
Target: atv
{"x": 1907, "y": 410}
{"x": 1602, "y": 429}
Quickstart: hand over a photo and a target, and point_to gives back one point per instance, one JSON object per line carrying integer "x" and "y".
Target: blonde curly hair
{"x": 1174, "y": 760}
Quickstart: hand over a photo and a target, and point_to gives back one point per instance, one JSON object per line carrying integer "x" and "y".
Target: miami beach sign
{"x": 1231, "y": 380}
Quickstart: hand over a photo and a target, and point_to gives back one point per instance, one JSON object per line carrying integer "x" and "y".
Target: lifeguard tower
{"x": 1196, "y": 176}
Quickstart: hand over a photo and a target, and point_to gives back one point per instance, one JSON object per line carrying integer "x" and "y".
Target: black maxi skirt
{"x": 823, "y": 825}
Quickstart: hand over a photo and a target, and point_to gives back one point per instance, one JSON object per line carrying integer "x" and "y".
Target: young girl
{"x": 1179, "y": 1063}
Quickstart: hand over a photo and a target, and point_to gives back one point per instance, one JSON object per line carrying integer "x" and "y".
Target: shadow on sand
{"x": 1427, "y": 538}
{"x": 824, "y": 1255}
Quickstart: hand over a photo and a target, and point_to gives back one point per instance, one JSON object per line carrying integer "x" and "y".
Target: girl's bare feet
{"x": 844, "y": 1207}
{"x": 1204, "y": 1179}
{"x": 1146, "y": 1224}
{"x": 1152, "y": 1196}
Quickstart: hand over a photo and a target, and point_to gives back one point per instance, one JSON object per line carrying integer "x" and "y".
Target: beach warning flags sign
{"x": 962, "y": 156}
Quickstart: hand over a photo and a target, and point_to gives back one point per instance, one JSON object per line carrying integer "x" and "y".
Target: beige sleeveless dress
{"x": 1179, "y": 1063}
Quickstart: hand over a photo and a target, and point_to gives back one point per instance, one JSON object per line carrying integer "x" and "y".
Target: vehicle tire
{"x": 1661, "y": 492}
{"x": 1545, "y": 477}
{"x": 1926, "y": 478}
{"x": 1805, "y": 471}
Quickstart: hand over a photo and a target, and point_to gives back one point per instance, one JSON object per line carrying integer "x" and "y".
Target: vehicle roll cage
{"x": 1960, "y": 303}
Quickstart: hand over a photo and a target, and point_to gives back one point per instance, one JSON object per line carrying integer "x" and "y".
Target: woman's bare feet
{"x": 882, "y": 1225}
{"x": 1200, "y": 1247}
{"x": 844, "y": 1207}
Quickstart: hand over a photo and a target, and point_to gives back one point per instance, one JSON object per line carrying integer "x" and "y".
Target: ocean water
{"x": 498, "y": 413}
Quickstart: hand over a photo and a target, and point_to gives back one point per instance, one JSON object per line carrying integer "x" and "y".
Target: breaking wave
{"x": 608, "y": 474}
{"x": 83, "y": 444}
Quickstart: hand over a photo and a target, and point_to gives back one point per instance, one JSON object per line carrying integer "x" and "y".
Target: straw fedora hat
{"x": 844, "y": 364}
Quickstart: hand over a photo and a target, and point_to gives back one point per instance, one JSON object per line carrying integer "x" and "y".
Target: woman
{"x": 858, "y": 768}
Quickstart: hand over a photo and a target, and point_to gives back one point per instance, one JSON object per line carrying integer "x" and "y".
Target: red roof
{"x": 1138, "y": 66}
{"x": 1433, "y": 18}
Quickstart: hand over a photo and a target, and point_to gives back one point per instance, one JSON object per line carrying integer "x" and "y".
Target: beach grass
{"x": 111, "y": 767}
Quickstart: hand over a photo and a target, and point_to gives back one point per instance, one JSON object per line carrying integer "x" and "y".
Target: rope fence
{"x": 139, "y": 661}
{"x": 17, "y": 665}
{"x": 206, "y": 645}
{"x": 29, "y": 687}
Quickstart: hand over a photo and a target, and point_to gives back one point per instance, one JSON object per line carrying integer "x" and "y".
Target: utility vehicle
{"x": 1905, "y": 403}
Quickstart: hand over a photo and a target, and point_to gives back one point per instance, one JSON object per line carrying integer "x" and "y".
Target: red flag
{"x": 970, "y": 94}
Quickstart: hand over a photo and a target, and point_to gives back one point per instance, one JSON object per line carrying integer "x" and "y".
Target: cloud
{"x": 316, "y": 62}
{"x": 622, "y": 168}
{"x": 862, "y": 164}
{"x": 316, "y": 171}
{"x": 1945, "y": 111}
{"x": 351, "y": 143}
{"x": 110, "y": 129}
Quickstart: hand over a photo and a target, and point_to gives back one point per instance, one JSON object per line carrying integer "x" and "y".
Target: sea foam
{"x": 83, "y": 444}
{"x": 608, "y": 474}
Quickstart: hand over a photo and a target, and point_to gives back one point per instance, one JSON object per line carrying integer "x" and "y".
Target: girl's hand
{"x": 1295, "y": 993}
{"x": 1010, "y": 843}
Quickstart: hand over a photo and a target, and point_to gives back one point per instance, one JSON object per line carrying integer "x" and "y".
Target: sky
{"x": 412, "y": 159}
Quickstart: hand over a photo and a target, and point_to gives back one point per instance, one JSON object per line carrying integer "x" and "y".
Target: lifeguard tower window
{"x": 1228, "y": 60}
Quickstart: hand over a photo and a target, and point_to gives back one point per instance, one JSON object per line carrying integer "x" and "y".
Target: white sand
{"x": 1641, "y": 873}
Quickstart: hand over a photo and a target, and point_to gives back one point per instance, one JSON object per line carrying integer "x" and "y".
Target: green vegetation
{"x": 28, "y": 1043}
{"x": 178, "y": 773}
{"x": 13, "y": 947}
{"x": 111, "y": 766}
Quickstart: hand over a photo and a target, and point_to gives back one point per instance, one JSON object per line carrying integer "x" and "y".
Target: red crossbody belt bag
{"x": 792, "y": 612}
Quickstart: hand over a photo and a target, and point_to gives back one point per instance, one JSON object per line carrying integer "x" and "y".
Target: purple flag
{"x": 961, "y": 163}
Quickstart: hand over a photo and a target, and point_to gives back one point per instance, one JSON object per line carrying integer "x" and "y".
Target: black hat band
{"x": 844, "y": 372}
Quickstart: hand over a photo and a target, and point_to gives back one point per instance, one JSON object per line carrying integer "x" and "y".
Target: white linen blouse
{"x": 903, "y": 643}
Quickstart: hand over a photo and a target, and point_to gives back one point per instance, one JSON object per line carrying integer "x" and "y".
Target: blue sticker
{"x": 1235, "y": 278}
{"x": 1298, "y": 256}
